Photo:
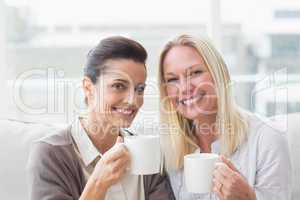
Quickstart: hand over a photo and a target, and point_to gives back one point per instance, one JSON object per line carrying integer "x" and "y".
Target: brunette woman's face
{"x": 119, "y": 91}
{"x": 188, "y": 83}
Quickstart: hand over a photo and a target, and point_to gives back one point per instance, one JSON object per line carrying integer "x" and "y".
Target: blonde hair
{"x": 178, "y": 138}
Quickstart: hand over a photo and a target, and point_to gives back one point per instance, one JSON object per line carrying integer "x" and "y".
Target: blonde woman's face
{"x": 188, "y": 83}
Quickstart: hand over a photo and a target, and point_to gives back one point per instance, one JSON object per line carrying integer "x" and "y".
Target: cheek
{"x": 204, "y": 83}
{"x": 140, "y": 101}
{"x": 171, "y": 94}
{"x": 107, "y": 99}
{"x": 171, "y": 91}
{"x": 115, "y": 97}
{"x": 209, "y": 88}
{"x": 210, "y": 100}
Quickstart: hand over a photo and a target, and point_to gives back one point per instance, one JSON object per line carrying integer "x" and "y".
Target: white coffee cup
{"x": 198, "y": 172}
{"x": 145, "y": 154}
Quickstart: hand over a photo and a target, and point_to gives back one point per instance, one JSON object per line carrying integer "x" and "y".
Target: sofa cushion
{"x": 16, "y": 138}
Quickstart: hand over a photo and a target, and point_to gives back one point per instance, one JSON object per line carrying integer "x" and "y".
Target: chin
{"x": 122, "y": 123}
{"x": 126, "y": 125}
{"x": 197, "y": 115}
{"x": 190, "y": 116}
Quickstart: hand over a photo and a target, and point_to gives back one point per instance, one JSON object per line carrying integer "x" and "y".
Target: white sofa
{"x": 16, "y": 137}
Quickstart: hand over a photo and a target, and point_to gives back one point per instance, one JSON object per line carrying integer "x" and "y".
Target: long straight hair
{"x": 178, "y": 138}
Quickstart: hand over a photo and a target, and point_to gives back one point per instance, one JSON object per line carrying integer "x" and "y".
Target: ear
{"x": 88, "y": 88}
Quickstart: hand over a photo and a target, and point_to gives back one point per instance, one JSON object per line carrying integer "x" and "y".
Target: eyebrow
{"x": 127, "y": 82}
{"x": 121, "y": 80}
{"x": 195, "y": 65}
{"x": 170, "y": 73}
{"x": 189, "y": 68}
{"x": 141, "y": 84}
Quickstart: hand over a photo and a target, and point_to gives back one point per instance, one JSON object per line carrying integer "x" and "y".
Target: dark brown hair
{"x": 115, "y": 47}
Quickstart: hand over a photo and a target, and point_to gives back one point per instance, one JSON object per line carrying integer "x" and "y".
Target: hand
{"x": 112, "y": 165}
{"x": 229, "y": 184}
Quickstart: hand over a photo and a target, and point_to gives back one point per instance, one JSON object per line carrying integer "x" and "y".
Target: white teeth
{"x": 124, "y": 111}
{"x": 191, "y": 100}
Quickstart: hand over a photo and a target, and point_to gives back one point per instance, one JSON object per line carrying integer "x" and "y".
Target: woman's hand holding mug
{"x": 112, "y": 165}
{"x": 229, "y": 184}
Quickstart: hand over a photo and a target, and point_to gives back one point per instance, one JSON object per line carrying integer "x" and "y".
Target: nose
{"x": 185, "y": 86}
{"x": 131, "y": 97}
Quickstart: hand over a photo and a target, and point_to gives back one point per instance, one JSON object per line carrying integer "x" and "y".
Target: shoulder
{"x": 57, "y": 137}
{"x": 53, "y": 169}
{"x": 267, "y": 134}
{"x": 55, "y": 149}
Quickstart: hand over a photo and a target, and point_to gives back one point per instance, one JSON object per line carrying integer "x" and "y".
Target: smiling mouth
{"x": 191, "y": 100}
{"x": 124, "y": 111}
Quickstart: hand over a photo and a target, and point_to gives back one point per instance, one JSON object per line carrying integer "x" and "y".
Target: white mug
{"x": 198, "y": 172}
{"x": 145, "y": 154}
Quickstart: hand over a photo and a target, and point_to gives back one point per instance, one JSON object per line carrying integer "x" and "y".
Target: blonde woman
{"x": 199, "y": 111}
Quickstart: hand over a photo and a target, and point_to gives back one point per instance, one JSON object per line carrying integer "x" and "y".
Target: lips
{"x": 124, "y": 111}
{"x": 191, "y": 100}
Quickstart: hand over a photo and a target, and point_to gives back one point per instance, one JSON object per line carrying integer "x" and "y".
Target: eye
{"x": 196, "y": 72}
{"x": 140, "y": 89}
{"x": 170, "y": 80}
{"x": 119, "y": 86}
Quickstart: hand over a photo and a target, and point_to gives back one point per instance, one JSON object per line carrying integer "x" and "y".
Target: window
{"x": 43, "y": 43}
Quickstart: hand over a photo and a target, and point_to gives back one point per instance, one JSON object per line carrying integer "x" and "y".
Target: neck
{"x": 102, "y": 135}
{"x": 205, "y": 132}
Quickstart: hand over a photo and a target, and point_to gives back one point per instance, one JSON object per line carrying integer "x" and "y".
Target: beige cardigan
{"x": 55, "y": 173}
